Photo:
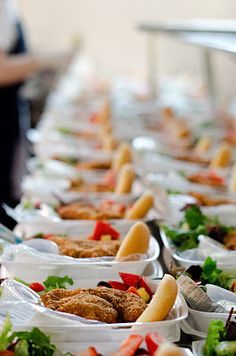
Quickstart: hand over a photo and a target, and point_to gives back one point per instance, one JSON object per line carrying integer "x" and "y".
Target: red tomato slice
{"x": 131, "y": 280}
{"x": 37, "y": 287}
{"x": 91, "y": 351}
{"x": 153, "y": 340}
{"x": 117, "y": 285}
{"x": 130, "y": 345}
{"x": 103, "y": 228}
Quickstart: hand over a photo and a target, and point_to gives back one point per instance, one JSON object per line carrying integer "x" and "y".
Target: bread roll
{"x": 162, "y": 302}
{"x": 168, "y": 349}
{"x": 123, "y": 155}
{"x": 202, "y": 145}
{"x": 232, "y": 182}
{"x": 141, "y": 207}
{"x": 125, "y": 179}
{"x": 136, "y": 241}
{"x": 109, "y": 143}
{"x": 104, "y": 115}
{"x": 222, "y": 157}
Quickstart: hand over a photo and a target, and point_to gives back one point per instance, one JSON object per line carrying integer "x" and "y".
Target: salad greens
{"x": 195, "y": 223}
{"x": 65, "y": 130}
{"x": 213, "y": 275}
{"x": 216, "y": 334}
{"x": 25, "y": 343}
{"x": 53, "y": 282}
{"x": 218, "y": 341}
{"x": 5, "y": 333}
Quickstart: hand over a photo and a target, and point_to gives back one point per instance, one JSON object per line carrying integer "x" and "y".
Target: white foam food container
{"x": 50, "y": 150}
{"x": 225, "y": 214}
{"x": 41, "y": 266}
{"x": 173, "y": 180}
{"x": 70, "y": 328}
{"x": 198, "y": 321}
{"x": 27, "y": 210}
{"x": 50, "y": 189}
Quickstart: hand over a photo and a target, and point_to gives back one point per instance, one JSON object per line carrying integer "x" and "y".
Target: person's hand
{"x": 56, "y": 61}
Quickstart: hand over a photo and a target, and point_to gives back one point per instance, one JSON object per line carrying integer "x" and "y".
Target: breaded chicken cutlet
{"x": 85, "y": 248}
{"x": 205, "y": 200}
{"x": 87, "y": 212}
{"x": 103, "y": 304}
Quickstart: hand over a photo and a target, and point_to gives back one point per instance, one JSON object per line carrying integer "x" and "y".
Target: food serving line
{"x": 102, "y": 174}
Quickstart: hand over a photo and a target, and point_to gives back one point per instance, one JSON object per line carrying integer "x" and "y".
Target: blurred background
{"x": 107, "y": 29}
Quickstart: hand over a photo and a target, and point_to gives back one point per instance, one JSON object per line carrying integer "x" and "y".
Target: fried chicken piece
{"x": 81, "y": 211}
{"x": 206, "y": 200}
{"x": 206, "y": 180}
{"x": 128, "y": 305}
{"x": 85, "y": 248}
{"x": 94, "y": 165}
{"x": 82, "y": 186}
{"x": 101, "y": 303}
{"x": 53, "y": 299}
{"x": 230, "y": 240}
{"x": 89, "y": 307}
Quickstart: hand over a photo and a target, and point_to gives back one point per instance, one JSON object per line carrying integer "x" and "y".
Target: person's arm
{"x": 15, "y": 68}
{"x": 18, "y": 67}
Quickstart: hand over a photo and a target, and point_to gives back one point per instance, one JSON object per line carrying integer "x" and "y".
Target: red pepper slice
{"x": 103, "y": 228}
{"x": 91, "y": 351}
{"x": 130, "y": 345}
{"x": 117, "y": 285}
{"x": 131, "y": 280}
{"x": 37, "y": 287}
{"x": 153, "y": 340}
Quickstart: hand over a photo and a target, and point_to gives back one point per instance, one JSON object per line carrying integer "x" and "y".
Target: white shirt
{"x": 8, "y": 18}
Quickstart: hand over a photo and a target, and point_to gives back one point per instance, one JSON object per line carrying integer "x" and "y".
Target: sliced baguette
{"x": 141, "y": 207}
{"x": 125, "y": 179}
{"x": 136, "y": 241}
{"x": 162, "y": 302}
{"x": 123, "y": 155}
{"x": 222, "y": 157}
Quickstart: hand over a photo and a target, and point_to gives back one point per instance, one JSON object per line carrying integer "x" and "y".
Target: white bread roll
{"x": 141, "y": 207}
{"x": 203, "y": 145}
{"x": 136, "y": 240}
{"x": 232, "y": 182}
{"x": 125, "y": 179}
{"x": 222, "y": 157}
{"x": 109, "y": 143}
{"x": 162, "y": 302}
{"x": 123, "y": 155}
{"x": 104, "y": 115}
{"x": 168, "y": 349}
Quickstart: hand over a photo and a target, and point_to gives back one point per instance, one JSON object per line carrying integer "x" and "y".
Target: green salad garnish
{"x": 220, "y": 340}
{"x": 214, "y": 275}
{"x": 25, "y": 343}
{"x": 195, "y": 223}
{"x": 53, "y": 282}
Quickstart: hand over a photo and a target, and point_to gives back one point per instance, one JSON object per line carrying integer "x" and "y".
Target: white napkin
{"x": 209, "y": 247}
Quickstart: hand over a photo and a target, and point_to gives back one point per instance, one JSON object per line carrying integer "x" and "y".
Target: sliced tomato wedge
{"x": 91, "y": 351}
{"x": 131, "y": 280}
{"x": 37, "y": 287}
{"x": 117, "y": 285}
{"x": 103, "y": 228}
{"x": 153, "y": 340}
{"x": 129, "y": 346}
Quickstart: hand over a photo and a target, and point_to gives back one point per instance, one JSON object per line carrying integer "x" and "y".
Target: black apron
{"x": 10, "y": 107}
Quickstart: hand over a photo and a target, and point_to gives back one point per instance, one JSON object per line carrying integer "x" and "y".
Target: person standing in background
{"x": 16, "y": 65}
